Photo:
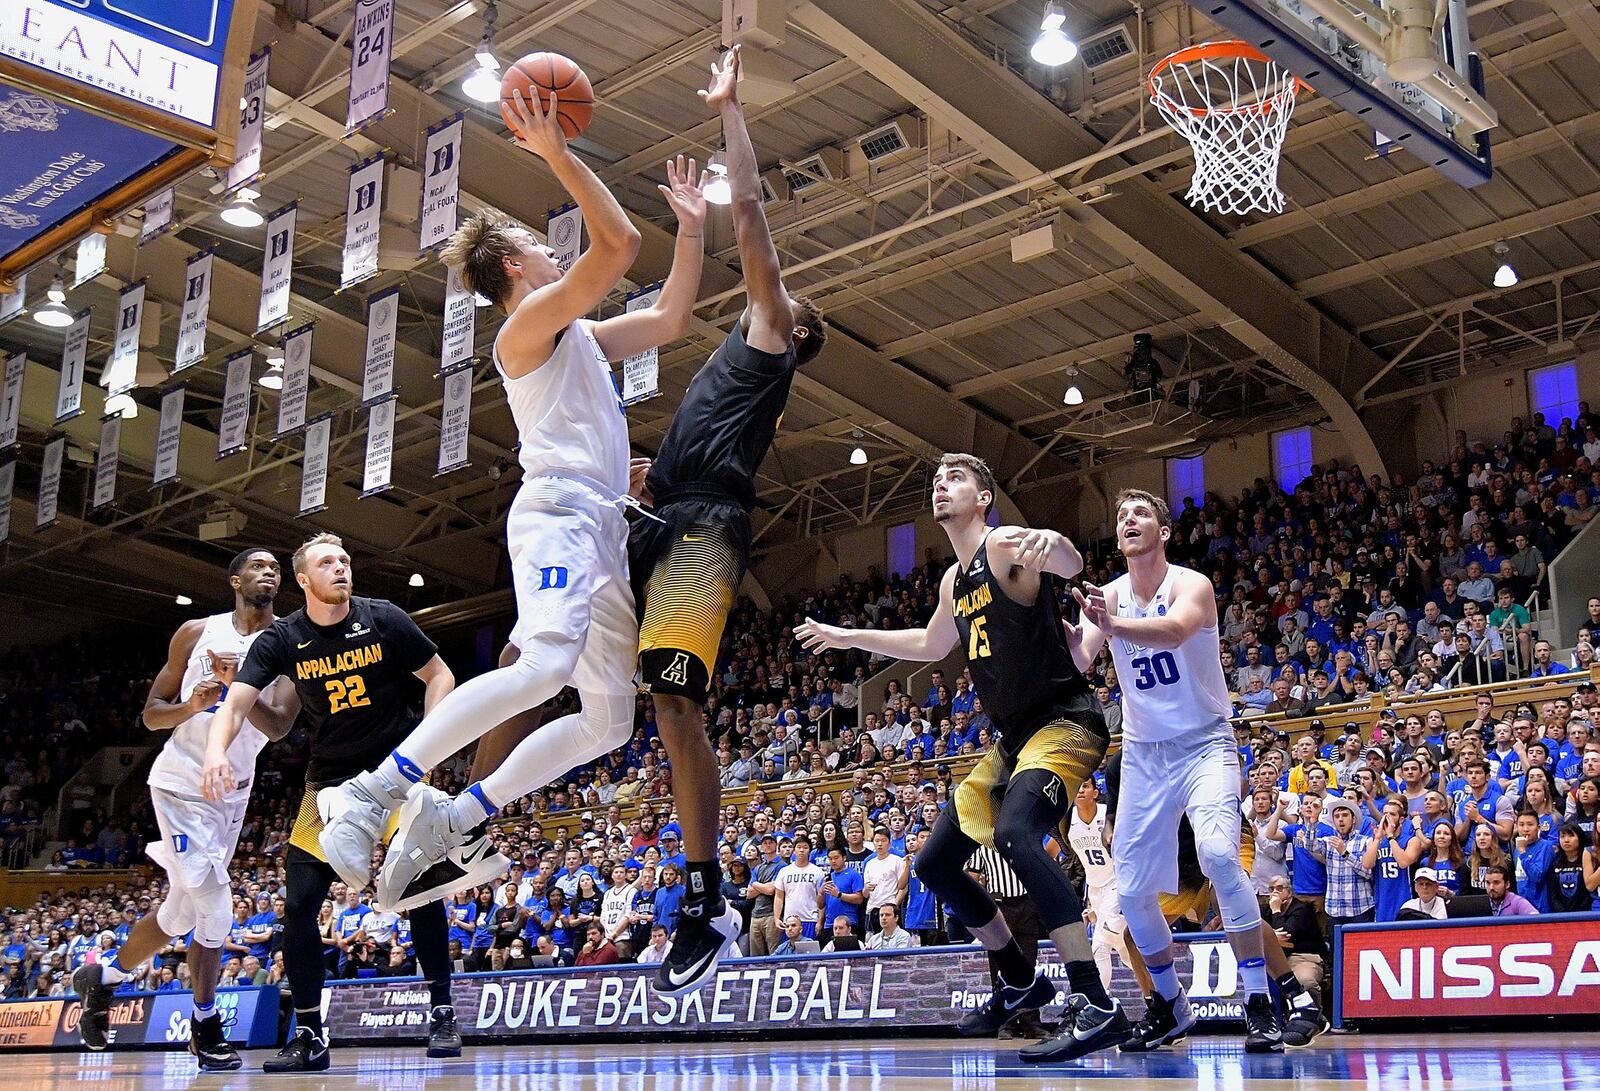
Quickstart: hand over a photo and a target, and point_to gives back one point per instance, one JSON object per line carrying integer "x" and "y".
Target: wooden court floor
{"x": 1526, "y": 1062}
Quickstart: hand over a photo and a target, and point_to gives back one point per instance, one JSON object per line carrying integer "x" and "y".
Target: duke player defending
{"x": 1000, "y": 602}
{"x": 1178, "y": 758}
{"x": 566, "y": 532}
{"x": 1089, "y": 837}
{"x": 198, "y": 836}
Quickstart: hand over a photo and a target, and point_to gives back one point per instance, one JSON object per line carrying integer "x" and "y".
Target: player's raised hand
{"x": 1033, "y": 547}
{"x": 537, "y": 130}
{"x": 204, "y": 695}
{"x": 638, "y": 470}
{"x": 724, "y": 85}
{"x": 224, "y": 667}
{"x": 814, "y": 636}
{"x": 1092, "y": 601}
{"x": 216, "y": 776}
{"x": 685, "y": 192}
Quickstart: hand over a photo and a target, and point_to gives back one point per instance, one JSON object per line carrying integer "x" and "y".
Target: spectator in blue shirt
{"x": 842, "y": 891}
{"x": 259, "y": 930}
{"x": 671, "y": 837}
{"x": 1483, "y": 803}
{"x": 536, "y": 903}
{"x": 1535, "y": 856}
{"x": 1309, "y": 874}
{"x": 462, "y": 913}
{"x": 669, "y": 896}
{"x": 1389, "y": 854}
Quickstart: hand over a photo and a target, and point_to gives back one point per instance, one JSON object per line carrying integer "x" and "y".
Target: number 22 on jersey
{"x": 347, "y": 692}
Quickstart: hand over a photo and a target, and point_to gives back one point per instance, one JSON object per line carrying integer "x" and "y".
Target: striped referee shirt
{"x": 998, "y": 877}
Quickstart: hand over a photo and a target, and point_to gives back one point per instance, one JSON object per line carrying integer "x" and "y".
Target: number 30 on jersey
{"x": 1160, "y": 669}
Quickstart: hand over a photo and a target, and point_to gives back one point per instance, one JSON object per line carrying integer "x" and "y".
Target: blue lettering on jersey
{"x": 550, "y": 578}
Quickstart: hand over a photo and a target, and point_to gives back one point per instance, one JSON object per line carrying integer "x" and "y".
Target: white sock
{"x": 1166, "y": 981}
{"x": 471, "y": 807}
{"x": 1253, "y": 976}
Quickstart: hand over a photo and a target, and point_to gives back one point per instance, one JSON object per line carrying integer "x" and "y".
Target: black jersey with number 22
{"x": 355, "y": 680}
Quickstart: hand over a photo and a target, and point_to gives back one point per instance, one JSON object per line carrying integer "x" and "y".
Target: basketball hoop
{"x": 1232, "y": 102}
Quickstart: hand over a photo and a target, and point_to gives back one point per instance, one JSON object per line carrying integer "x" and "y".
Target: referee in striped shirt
{"x": 989, "y": 868}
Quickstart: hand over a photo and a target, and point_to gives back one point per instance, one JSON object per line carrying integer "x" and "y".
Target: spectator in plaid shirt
{"x": 1350, "y": 894}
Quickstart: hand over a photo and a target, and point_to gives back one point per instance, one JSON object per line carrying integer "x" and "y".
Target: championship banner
{"x": 1482, "y": 968}
{"x": 157, "y": 216}
{"x": 377, "y": 374}
{"x": 296, "y": 380}
{"x": 231, "y": 438}
{"x": 49, "y": 483}
{"x": 441, "y": 186}
{"x": 314, "y": 466}
{"x": 8, "y": 478}
{"x": 91, "y": 259}
{"x": 69, "y": 395}
{"x": 105, "y": 462}
{"x": 370, "y": 40}
{"x": 564, "y": 234}
{"x": 363, "y": 205}
{"x": 196, "y": 308}
{"x": 641, "y": 374}
{"x": 122, "y": 368}
{"x": 460, "y": 322}
{"x": 455, "y": 420}
{"x": 11, "y": 400}
{"x": 380, "y": 447}
{"x": 277, "y": 269}
{"x": 11, "y": 303}
{"x": 252, "y": 112}
{"x": 168, "y": 433}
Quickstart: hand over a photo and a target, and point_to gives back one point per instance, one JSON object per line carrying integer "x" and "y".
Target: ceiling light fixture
{"x": 1074, "y": 395}
{"x": 718, "y": 191}
{"x": 272, "y": 378}
{"x": 242, "y": 211}
{"x": 1505, "y": 276}
{"x": 483, "y": 82}
{"x": 416, "y": 579}
{"x": 183, "y": 600}
{"x": 57, "y": 292}
{"x": 858, "y": 457}
{"x": 1053, "y": 48}
{"x": 121, "y": 405}
{"x": 53, "y": 314}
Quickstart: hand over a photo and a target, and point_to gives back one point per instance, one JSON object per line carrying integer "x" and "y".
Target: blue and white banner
{"x": 122, "y": 368}
{"x": 74, "y": 349}
{"x": 232, "y": 431}
{"x": 441, "y": 184}
{"x": 252, "y": 113}
{"x": 641, "y": 373}
{"x": 380, "y": 447}
{"x": 157, "y": 216}
{"x": 371, "y": 41}
{"x": 11, "y": 400}
{"x": 11, "y": 303}
{"x": 377, "y": 374}
{"x": 168, "y": 435}
{"x": 49, "y": 483}
{"x": 460, "y": 321}
{"x": 362, "y": 209}
{"x": 278, "y": 268}
{"x": 196, "y": 308}
{"x": 8, "y": 479}
{"x": 314, "y": 466}
{"x": 296, "y": 380}
{"x": 564, "y": 234}
{"x": 90, "y": 261}
{"x": 455, "y": 420}
{"x": 105, "y": 462}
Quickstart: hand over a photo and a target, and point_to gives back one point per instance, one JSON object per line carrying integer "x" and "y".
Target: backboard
{"x": 1354, "y": 51}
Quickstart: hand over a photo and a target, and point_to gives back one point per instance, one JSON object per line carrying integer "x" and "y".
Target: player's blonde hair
{"x": 324, "y": 538}
{"x": 478, "y": 250}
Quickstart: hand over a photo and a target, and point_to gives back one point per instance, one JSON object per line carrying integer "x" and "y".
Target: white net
{"x": 1233, "y": 104}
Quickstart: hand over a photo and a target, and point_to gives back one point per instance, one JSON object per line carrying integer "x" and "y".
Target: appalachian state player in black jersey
{"x": 354, "y": 663}
{"x": 1000, "y": 601}
{"x": 688, "y": 561}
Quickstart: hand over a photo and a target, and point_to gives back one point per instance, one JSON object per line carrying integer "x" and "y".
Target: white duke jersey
{"x": 800, "y": 884}
{"x": 1167, "y": 692}
{"x": 569, "y": 416}
{"x": 1088, "y": 841}
{"x": 177, "y": 767}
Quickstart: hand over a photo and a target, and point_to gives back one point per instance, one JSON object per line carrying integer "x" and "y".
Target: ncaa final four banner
{"x": 196, "y": 307}
{"x": 363, "y": 204}
{"x": 442, "y": 185}
{"x": 371, "y": 40}
{"x": 122, "y": 369}
{"x": 277, "y": 271}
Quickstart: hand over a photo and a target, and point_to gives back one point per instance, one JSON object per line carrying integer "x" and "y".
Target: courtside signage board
{"x": 250, "y": 1018}
{"x": 1484, "y": 969}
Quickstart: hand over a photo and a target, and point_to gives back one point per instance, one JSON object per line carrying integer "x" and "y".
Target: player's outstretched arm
{"x": 162, "y": 709}
{"x": 668, "y": 318}
{"x": 920, "y": 645}
{"x": 1192, "y": 609}
{"x": 1036, "y": 549}
{"x": 770, "y": 325}
{"x": 216, "y": 776}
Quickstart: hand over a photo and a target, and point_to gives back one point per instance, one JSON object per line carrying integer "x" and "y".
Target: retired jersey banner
{"x": 91, "y": 259}
{"x": 11, "y": 400}
{"x": 105, "y": 462}
{"x": 460, "y": 322}
{"x": 235, "y": 424}
{"x": 363, "y": 205}
{"x": 380, "y": 447}
{"x": 74, "y": 349}
{"x": 371, "y": 39}
{"x": 296, "y": 380}
{"x": 196, "y": 309}
{"x": 564, "y": 234}
{"x": 252, "y": 112}
{"x": 377, "y": 376}
{"x": 122, "y": 369}
{"x": 8, "y": 478}
{"x": 168, "y": 434}
{"x": 314, "y": 466}
{"x": 11, "y": 303}
{"x": 641, "y": 374}
{"x": 49, "y": 483}
{"x": 455, "y": 420}
{"x": 441, "y": 184}
{"x": 157, "y": 216}
{"x": 278, "y": 268}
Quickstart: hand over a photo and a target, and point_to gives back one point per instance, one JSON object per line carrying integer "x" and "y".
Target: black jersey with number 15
{"x": 1021, "y": 666}
{"x": 356, "y": 681}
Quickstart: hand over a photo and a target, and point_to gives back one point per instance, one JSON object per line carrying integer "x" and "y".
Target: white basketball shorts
{"x": 1195, "y": 773}
{"x": 198, "y": 837}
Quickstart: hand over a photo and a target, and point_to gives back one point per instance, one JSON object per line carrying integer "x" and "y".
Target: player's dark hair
{"x": 236, "y": 565}
{"x": 1157, "y": 505}
{"x": 978, "y": 468}
{"x": 810, "y": 317}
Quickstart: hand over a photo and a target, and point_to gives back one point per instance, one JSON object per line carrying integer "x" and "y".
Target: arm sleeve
{"x": 411, "y": 645}
{"x": 266, "y": 660}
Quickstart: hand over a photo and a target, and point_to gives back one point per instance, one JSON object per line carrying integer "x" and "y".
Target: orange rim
{"x": 1212, "y": 51}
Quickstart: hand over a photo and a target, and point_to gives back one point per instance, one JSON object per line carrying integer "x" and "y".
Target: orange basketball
{"x": 547, "y": 72}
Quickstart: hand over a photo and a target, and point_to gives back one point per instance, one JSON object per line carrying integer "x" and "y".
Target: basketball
{"x": 547, "y": 72}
